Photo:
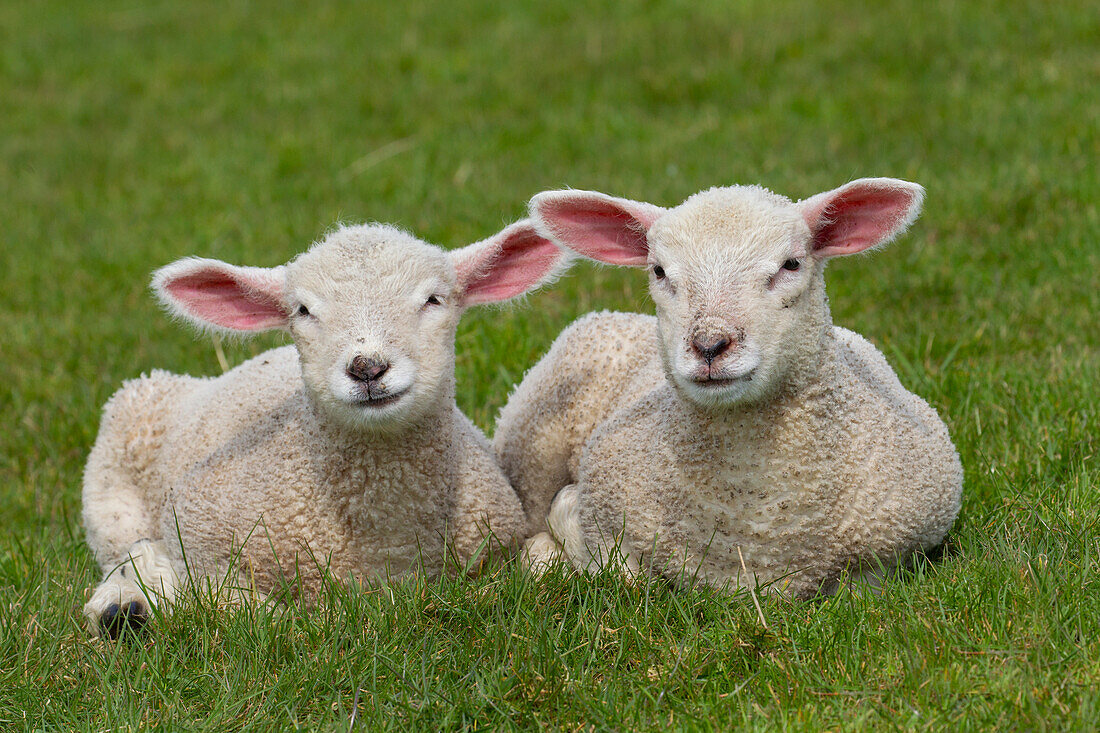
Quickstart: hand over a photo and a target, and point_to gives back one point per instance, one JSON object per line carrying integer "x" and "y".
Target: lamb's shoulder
{"x": 157, "y": 423}
{"x": 246, "y": 393}
{"x": 881, "y": 415}
{"x": 485, "y": 504}
{"x": 247, "y": 420}
{"x": 598, "y": 363}
{"x": 866, "y": 374}
{"x": 608, "y": 338}
{"x": 595, "y": 364}
{"x": 907, "y": 480}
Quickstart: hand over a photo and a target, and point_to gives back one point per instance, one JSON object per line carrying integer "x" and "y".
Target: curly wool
{"x": 828, "y": 469}
{"x": 298, "y": 464}
{"x": 240, "y": 469}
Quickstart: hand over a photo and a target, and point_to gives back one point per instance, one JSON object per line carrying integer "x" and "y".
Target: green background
{"x": 135, "y": 133}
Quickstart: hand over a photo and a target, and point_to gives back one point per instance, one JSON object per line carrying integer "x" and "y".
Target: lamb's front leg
{"x": 540, "y": 553}
{"x": 126, "y": 596}
{"x": 546, "y": 549}
{"x": 567, "y": 541}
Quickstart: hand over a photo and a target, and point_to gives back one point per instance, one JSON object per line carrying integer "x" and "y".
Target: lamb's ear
{"x": 861, "y": 214}
{"x": 213, "y": 294}
{"x": 507, "y": 264}
{"x": 595, "y": 225}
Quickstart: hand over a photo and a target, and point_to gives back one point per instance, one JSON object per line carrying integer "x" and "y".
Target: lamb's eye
{"x": 658, "y": 272}
{"x": 792, "y": 265}
{"x": 303, "y": 311}
{"x": 433, "y": 300}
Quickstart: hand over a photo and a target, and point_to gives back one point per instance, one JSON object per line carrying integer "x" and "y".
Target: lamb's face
{"x": 738, "y": 292}
{"x": 372, "y": 309}
{"x": 736, "y": 273}
{"x": 373, "y": 314}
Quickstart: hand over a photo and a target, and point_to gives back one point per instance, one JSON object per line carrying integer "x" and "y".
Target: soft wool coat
{"x": 243, "y": 469}
{"x": 342, "y": 455}
{"x": 788, "y": 455}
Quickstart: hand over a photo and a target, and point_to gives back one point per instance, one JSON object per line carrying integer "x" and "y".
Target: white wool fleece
{"x": 345, "y": 451}
{"x": 739, "y": 425}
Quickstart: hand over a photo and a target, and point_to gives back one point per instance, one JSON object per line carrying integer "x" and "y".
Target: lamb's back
{"x": 907, "y": 484}
{"x": 598, "y": 365}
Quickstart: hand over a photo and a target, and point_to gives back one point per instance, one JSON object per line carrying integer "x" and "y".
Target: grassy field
{"x": 134, "y": 133}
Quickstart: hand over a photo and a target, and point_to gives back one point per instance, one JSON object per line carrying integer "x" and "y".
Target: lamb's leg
{"x": 126, "y": 597}
{"x": 565, "y": 527}
{"x": 540, "y": 553}
{"x": 123, "y": 494}
{"x": 566, "y": 541}
{"x": 564, "y": 537}
{"x": 118, "y": 508}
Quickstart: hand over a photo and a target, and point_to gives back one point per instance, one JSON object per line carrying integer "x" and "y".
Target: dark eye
{"x": 433, "y": 300}
{"x": 792, "y": 265}
{"x": 303, "y": 311}
{"x": 658, "y": 272}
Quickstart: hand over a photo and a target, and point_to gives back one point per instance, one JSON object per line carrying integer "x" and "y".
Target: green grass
{"x": 135, "y": 133}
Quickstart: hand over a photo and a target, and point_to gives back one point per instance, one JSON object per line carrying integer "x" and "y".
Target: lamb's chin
{"x": 390, "y": 415}
{"x": 719, "y": 393}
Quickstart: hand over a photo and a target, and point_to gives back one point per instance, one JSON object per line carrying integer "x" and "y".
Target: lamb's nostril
{"x": 365, "y": 369}
{"x": 710, "y": 346}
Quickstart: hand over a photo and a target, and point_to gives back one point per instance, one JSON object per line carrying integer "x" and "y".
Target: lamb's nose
{"x": 710, "y": 346}
{"x": 365, "y": 369}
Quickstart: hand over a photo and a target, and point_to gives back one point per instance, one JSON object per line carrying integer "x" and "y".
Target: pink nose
{"x": 363, "y": 369}
{"x": 710, "y": 346}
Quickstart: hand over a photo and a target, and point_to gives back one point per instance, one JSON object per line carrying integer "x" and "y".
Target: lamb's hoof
{"x": 115, "y": 620}
{"x": 540, "y": 553}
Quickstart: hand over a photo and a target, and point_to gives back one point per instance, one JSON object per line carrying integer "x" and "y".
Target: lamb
{"x": 344, "y": 453}
{"x": 738, "y": 438}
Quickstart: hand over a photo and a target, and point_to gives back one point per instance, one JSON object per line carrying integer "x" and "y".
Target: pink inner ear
{"x": 522, "y": 260}
{"x": 858, "y": 217}
{"x": 599, "y": 227}
{"x": 228, "y": 300}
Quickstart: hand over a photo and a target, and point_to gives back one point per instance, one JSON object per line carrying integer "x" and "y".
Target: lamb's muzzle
{"x": 708, "y": 346}
{"x": 365, "y": 369}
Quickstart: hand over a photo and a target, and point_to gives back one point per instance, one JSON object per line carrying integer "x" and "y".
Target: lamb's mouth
{"x": 712, "y": 382}
{"x": 381, "y": 400}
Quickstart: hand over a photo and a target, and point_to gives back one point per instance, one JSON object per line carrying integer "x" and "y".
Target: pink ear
{"x": 597, "y": 226}
{"x": 213, "y": 293}
{"x": 860, "y": 214}
{"x": 506, "y": 265}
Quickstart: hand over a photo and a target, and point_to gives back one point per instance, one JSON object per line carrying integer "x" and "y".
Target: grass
{"x": 135, "y": 133}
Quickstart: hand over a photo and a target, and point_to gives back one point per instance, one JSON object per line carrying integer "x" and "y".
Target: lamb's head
{"x": 736, "y": 273}
{"x": 372, "y": 311}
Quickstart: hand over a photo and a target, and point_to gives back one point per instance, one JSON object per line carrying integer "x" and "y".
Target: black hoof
{"x": 131, "y": 617}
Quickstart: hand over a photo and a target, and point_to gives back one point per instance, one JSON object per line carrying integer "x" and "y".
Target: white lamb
{"x": 343, "y": 453}
{"x": 738, "y": 437}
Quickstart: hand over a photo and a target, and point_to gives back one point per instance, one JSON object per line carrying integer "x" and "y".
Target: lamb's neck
{"x": 813, "y": 364}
